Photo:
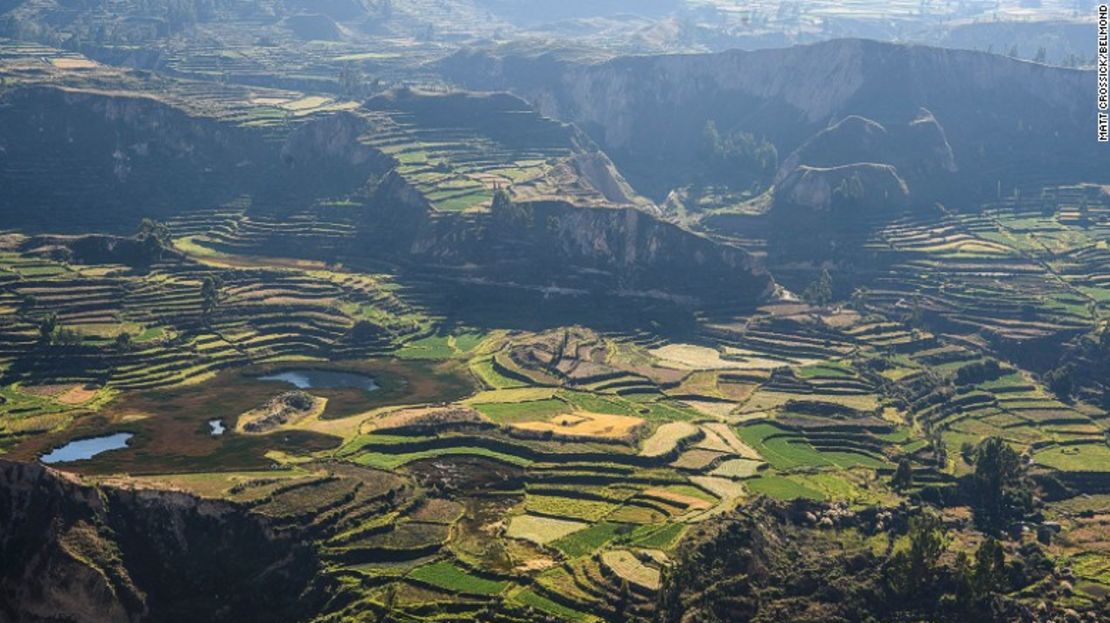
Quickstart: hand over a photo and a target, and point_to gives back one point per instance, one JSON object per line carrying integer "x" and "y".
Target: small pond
{"x": 82, "y": 449}
{"x": 323, "y": 379}
{"x": 216, "y": 427}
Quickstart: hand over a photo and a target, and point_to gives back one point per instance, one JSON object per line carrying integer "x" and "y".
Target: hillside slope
{"x": 1008, "y": 121}
{"x": 71, "y": 552}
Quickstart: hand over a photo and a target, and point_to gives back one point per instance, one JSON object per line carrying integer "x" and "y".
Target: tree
{"x": 155, "y": 238}
{"x": 990, "y": 568}
{"x": 859, "y": 299}
{"x": 903, "y": 475}
{"x": 157, "y": 230}
{"x": 1039, "y": 57}
{"x": 502, "y": 202}
{"x": 209, "y": 295}
{"x": 940, "y": 449}
{"x": 1060, "y": 380}
{"x": 915, "y": 569}
{"x": 47, "y": 327}
{"x": 819, "y": 292}
{"x": 123, "y": 342}
{"x": 505, "y": 210}
{"x": 1002, "y": 491}
{"x": 363, "y": 331}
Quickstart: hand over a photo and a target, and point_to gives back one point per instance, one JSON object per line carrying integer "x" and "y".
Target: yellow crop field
{"x": 587, "y": 425}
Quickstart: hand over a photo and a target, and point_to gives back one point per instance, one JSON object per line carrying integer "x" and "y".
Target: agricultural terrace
{"x": 457, "y": 149}
{"x": 574, "y": 458}
{"x": 546, "y": 470}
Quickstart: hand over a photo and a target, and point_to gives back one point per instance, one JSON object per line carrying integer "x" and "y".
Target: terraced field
{"x": 467, "y": 471}
{"x": 584, "y": 515}
{"x": 552, "y": 471}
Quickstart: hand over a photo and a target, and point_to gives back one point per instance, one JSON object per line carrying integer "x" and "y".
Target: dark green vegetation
{"x": 764, "y": 565}
{"x": 847, "y": 363}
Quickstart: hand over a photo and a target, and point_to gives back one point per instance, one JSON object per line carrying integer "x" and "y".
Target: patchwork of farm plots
{"x": 1023, "y": 269}
{"x": 171, "y": 333}
{"x": 577, "y": 460}
{"x": 585, "y": 457}
{"x": 456, "y": 150}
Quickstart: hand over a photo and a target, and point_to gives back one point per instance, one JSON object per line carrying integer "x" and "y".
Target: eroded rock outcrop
{"x": 860, "y": 186}
{"x": 612, "y": 250}
{"x": 860, "y": 163}
{"x": 80, "y": 160}
{"x": 70, "y": 552}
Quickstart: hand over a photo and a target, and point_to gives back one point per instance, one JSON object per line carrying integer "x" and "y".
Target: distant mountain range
{"x": 1009, "y": 122}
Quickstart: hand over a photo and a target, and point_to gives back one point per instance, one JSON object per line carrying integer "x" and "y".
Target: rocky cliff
{"x": 89, "y": 160}
{"x": 864, "y": 162}
{"x": 71, "y": 552}
{"x": 556, "y": 244}
{"x": 859, "y": 186}
{"x": 1006, "y": 119}
{"x": 81, "y": 159}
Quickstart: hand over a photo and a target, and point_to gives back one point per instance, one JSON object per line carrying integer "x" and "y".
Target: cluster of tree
{"x": 1061, "y": 380}
{"x": 51, "y": 333}
{"x": 364, "y": 331}
{"x": 353, "y": 83}
{"x": 761, "y": 565}
{"x": 154, "y": 239}
{"x": 1001, "y": 492}
{"x": 978, "y": 372}
{"x": 123, "y": 342}
{"x": 509, "y": 212}
{"x": 903, "y": 475}
{"x": 973, "y": 586}
{"x": 1084, "y": 370}
{"x": 820, "y": 292}
{"x": 738, "y": 160}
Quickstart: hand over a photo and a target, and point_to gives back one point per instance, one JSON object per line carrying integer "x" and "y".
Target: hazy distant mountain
{"x": 1008, "y": 121}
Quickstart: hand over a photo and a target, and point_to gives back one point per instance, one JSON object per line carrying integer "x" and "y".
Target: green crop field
{"x": 587, "y": 541}
{"x": 521, "y": 311}
{"x": 448, "y": 576}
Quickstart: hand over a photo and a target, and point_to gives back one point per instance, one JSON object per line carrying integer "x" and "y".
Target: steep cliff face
{"x": 893, "y": 164}
{"x": 996, "y": 110}
{"x": 852, "y": 139}
{"x": 618, "y": 251}
{"x": 73, "y": 160}
{"x": 860, "y": 186}
{"x": 541, "y": 244}
{"x": 74, "y": 553}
